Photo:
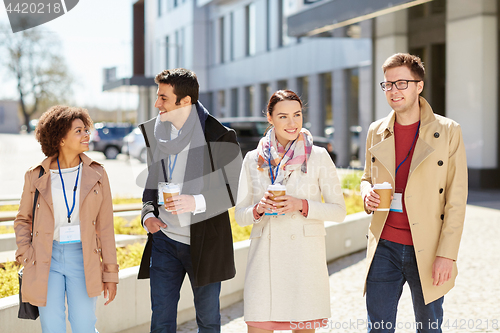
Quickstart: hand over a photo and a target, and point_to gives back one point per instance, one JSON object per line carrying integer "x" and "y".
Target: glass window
{"x": 234, "y": 102}
{"x": 249, "y": 100}
{"x": 167, "y": 53}
{"x": 221, "y": 40}
{"x": 250, "y": 29}
{"x": 231, "y": 36}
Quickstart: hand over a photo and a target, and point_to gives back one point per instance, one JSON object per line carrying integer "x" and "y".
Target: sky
{"x": 95, "y": 34}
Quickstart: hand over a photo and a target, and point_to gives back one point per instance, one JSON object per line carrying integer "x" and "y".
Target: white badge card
{"x": 160, "y": 192}
{"x": 397, "y": 203}
{"x": 69, "y": 234}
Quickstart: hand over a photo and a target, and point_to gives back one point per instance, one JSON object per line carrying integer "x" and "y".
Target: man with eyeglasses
{"x": 422, "y": 155}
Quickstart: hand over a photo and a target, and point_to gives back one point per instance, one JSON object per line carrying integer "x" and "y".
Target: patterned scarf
{"x": 294, "y": 155}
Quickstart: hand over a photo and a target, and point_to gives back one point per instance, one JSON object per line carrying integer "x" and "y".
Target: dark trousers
{"x": 393, "y": 265}
{"x": 170, "y": 261}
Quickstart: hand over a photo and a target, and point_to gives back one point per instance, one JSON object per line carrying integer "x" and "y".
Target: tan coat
{"x": 287, "y": 277}
{"x": 96, "y": 227}
{"x": 435, "y": 195}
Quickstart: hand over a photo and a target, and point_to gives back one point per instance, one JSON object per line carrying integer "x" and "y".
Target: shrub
{"x": 351, "y": 180}
{"x": 353, "y": 203}
{"x": 6, "y": 229}
{"x": 9, "y": 284}
{"x": 134, "y": 227}
{"x": 130, "y": 255}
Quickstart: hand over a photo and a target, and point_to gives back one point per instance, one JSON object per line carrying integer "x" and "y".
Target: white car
{"x": 135, "y": 146}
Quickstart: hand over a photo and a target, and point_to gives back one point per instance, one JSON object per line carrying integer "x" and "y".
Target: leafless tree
{"x": 34, "y": 60}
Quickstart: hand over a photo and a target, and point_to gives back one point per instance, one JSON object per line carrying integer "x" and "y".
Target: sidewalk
{"x": 472, "y": 306}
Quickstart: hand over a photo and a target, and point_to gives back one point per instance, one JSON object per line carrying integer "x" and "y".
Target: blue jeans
{"x": 170, "y": 261}
{"x": 67, "y": 279}
{"x": 393, "y": 265}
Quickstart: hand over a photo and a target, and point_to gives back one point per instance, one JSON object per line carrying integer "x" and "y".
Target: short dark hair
{"x": 184, "y": 82}
{"x": 55, "y": 123}
{"x": 413, "y": 62}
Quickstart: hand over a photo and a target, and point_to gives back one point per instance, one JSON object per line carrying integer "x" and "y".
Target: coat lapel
{"x": 384, "y": 153}
{"x": 91, "y": 177}
{"x": 43, "y": 185}
{"x": 421, "y": 152}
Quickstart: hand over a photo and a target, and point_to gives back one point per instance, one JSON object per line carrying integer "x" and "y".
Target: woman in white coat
{"x": 286, "y": 283}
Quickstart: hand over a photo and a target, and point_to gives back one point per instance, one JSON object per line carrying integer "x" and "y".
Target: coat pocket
{"x": 311, "y": 230}
{"x": 28, "y": 257}
{"x": 256, "y": 231}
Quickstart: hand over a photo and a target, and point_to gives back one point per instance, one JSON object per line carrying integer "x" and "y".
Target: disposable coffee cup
{"x": 170, "y": 190}
{"x": 276, "y": 191}
{"x": 384, "y": 190}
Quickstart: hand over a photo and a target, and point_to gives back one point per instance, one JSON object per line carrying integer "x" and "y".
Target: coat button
{"x": 38, "y": 205}
{"x": 441, "y": 190}
{"x": 442, "y": 216}
{"x": 34, "y": 262}
{"x": 93, "y": 222}
{"x": 440, "y": 163}
{"x": 95, "y": 250}
{"x": 436, "y": 135}
{"x": 95, "y": 191}
{"x": 268, "y": 236}
{"x": 25, "y": 260}
{"x": 373, "y": 159}
{"x": 293, "y": 237}
{"x": 36, "y": 233}
{"x": 294, "y": 216}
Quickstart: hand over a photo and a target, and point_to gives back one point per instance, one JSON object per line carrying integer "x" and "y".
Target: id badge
{"x": 69, "y": 234}
{"x": 160, "y": 192}
{"x": 397, "y": 203}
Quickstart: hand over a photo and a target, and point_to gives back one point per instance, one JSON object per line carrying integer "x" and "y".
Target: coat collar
{"x": 89, "y": 174}
{"x": 384, "y": 150}
{"x": 426, "y": 117}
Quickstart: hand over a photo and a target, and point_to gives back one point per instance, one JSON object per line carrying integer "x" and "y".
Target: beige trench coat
{"x": 435, "y": 195}
{"x": 96, "y": 228}
{"x": 287, "y": 277}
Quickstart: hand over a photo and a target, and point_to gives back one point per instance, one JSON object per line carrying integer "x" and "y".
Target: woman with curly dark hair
{"x": 68, "y": 249}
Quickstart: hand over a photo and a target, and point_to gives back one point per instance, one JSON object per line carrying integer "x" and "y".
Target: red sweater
{"x": 397, "y": 227}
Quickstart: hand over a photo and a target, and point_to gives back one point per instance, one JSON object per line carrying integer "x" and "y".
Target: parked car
{"x": 250, "y": 130}
{"x": 108, "y": 138}
{"x": 135, "y": 146}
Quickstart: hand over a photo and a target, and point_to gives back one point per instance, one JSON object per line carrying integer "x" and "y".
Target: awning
{"x": 129, "y": 84}
{"x": 326, "y": 16}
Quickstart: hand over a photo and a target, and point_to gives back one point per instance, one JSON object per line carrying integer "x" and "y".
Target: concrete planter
{"x": 131, "y": 311}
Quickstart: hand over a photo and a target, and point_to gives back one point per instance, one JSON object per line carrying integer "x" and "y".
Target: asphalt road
{"x": 18, "y": 152}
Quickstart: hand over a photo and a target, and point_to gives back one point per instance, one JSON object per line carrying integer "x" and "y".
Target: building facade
{"x": 330, "y": 52}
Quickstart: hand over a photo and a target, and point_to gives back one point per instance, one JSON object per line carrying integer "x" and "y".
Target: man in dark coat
{"x": 187, "y": 233}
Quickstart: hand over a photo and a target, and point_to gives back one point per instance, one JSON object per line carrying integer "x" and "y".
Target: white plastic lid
{"x": 276, "y": 187}
{"x": 383, "y": 186}
{"x": 171, "y": 188}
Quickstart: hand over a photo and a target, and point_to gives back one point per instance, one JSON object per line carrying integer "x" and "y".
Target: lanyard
{"x": 64, "y": 190}
{"x": 411, "y": 147}
{"x": 273, "y": 175}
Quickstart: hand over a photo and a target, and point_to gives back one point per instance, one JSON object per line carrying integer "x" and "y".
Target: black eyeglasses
{"x": 400, "y": 84}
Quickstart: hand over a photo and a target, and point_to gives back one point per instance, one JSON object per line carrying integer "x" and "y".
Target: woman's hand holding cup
{"x": 265, "y": 205}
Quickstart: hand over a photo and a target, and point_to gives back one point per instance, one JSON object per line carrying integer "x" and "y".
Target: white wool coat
{"x": 287, "y": 277}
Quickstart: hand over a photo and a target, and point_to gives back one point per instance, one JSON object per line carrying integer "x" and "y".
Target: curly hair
{"x": 55, "y": 123}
